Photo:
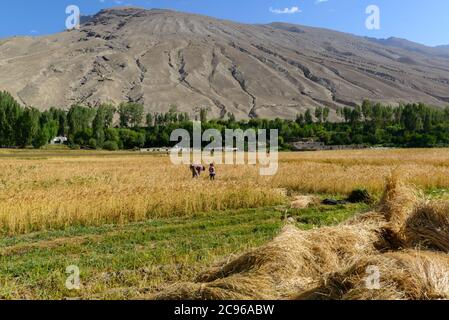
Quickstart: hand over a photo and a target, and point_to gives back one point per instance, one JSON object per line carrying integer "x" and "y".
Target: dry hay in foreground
{"x": 428, "y": 227}
{"x": 331, "y": 262}
{"x": 412, "y": 221}
{"x": 408, "y": 275}
{"x": 292, "y": 262}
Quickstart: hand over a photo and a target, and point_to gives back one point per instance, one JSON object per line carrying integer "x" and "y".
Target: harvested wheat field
{"x": 138, "y": 226}
{"x": 405, "y": 238}
{"x": 48, "y": 190}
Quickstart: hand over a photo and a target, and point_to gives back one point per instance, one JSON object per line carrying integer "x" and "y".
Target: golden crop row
{"x": 59, "y": 191}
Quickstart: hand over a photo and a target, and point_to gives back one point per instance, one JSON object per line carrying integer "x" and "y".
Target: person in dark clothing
{"x": 212, "y": 172}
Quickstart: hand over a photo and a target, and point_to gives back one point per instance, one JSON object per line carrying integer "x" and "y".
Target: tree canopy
{"x": 372, "y": 124}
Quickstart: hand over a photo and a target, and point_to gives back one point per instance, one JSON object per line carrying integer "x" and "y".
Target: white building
{"x": 59, "y": 140}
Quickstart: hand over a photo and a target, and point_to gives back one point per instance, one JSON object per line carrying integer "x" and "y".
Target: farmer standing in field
{"x": 212, "y": 172}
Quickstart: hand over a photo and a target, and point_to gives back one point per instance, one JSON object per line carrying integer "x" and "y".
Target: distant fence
{"x": 320, "y": 146}
{"x": 155, "y": 150}
{"x": 167, "y": 149}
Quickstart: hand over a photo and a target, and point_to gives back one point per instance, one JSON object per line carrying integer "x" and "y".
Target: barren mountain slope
{"x": 159, "y": 57}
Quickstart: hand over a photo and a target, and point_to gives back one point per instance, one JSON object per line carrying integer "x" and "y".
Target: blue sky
{"x": 417, "y": 20}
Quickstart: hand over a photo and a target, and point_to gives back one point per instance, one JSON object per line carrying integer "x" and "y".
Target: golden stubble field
{"x": 41, "y": 190}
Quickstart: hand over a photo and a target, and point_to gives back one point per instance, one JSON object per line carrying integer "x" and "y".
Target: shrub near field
{"x": 44, "y": 190}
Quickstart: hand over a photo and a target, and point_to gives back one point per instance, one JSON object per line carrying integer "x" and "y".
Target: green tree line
{"x": 128, "y": 126}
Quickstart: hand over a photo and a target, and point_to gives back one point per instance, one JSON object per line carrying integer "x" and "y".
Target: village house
{"x": 59, "y": 140}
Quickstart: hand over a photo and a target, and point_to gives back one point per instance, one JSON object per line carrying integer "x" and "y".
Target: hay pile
{"x": 408, "y": 275}
{"x": 333, "y": 262}
{"x": 292, "y": 262}
{"x": 397, "y": 205}
{"x": 412, "y": 221}
{"x": 428, "y": 227}
{"x": 302, "y": 202}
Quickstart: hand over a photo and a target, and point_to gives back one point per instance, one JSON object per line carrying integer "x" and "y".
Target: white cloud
{"x": 320, "y": 1}
{"x": 291, "y": 10}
